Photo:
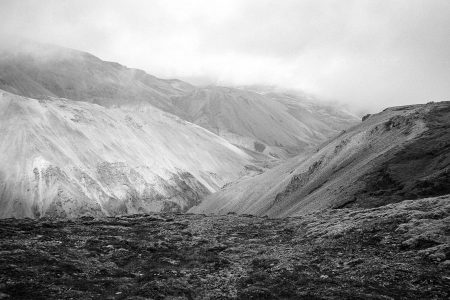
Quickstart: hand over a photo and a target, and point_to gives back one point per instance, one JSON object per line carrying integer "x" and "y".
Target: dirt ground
{"x": 398, "y": 251}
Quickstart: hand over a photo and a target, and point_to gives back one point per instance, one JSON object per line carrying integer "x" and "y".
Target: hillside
{"x": 38, "y": 70}
{"x": 64, "y": 158}
{"x": 400, "y": 153}
{"x": 264, "y": 126}
{"x": 276, "y": 124}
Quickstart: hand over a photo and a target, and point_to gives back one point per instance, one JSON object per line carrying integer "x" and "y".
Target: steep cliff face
{"x": 400, "y": 153}
{"x": 66, "y": 158}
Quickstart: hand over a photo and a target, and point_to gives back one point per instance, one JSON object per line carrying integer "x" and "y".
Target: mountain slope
{"x": 66, "y": 158}
{"x": 264, "y": 125}
{"x": 400, "y": 153}
{"x": 274, "y": 124}
{"x": 38, "y": 70}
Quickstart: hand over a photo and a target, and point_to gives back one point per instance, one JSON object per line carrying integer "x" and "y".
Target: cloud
{"x": 366, "y": 53}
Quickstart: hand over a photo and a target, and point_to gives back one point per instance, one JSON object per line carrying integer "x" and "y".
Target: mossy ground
{"x": 400, "y": 251}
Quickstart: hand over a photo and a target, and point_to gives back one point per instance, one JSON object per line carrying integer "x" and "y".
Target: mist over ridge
{"x": 365, "y": 54}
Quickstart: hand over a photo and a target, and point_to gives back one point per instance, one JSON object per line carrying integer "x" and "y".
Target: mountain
{"x": 263, "y": 124}
{"x": 64, "y": 158}
{"x": 87, "y": 136}
{"x": 401, "y": 153}
{"x": 276, "y": 124}
{"x": 40, "y": 70}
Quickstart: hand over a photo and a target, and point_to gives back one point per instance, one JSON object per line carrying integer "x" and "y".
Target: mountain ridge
{"x": 40, "y": 71}
{"x": 69, "y": 158}
{"x": 400, "y": 153}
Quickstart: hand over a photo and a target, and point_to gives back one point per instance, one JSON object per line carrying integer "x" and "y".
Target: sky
{"x": 366, "y": 54}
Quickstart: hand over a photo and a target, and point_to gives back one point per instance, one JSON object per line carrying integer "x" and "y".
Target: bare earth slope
{"x": 398, "y": 251}
{"x": 66, "y": 158}
{"x": 400, "y": 153}
{"x": 277, "y": 124}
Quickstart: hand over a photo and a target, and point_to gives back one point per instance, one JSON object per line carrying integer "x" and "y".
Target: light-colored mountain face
{"x": 266, "y": 124}
{"x": 124, "y": 142}
{"x": 274, "y": 124}
{"x": 69, "y": 158}
{"x": 400, "y": 153}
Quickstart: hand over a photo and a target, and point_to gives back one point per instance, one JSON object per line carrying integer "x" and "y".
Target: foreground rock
{"x": 399, "y": 251}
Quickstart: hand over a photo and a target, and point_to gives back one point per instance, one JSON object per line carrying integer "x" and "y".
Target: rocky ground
{"x": 399, "y": 251}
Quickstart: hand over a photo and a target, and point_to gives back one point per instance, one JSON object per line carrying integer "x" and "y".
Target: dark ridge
{"x": 420, "y": 169}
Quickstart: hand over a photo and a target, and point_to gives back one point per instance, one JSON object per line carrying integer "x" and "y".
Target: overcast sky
{"x": 368, "y": 54}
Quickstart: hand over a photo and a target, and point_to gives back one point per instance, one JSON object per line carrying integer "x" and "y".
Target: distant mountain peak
{"x": 247, "y": 116}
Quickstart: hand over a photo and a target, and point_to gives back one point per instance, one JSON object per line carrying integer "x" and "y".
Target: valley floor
{"x": 399, "y": 251}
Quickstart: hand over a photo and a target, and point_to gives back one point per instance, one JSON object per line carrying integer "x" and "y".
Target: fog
{"x": 365, "y": 54}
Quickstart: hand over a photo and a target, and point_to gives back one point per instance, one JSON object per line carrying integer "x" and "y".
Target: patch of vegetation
{"x": 399, "y": 251}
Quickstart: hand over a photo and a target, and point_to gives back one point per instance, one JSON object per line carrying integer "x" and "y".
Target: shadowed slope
{"x": 38, "y": 70}
{"x": 400, "y": 153}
